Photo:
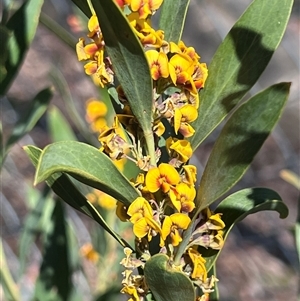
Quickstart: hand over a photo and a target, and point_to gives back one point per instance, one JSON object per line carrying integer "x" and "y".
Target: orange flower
{"x": 142, "y": 218}
{"x": 199, "y": 270}
{"x": 190, "y": 172}
{"x": 87, "y": 251}
{"x": 182, "y": 117}
{"x": 172, "y": 226}
{"x": 158, "y": 62}
{"x": 162, "y": 177}
{"x": 181, "y": 48}
{"x": 147, "y": 35}
{"x": 182, "y": 197}
{"x": 145, "y": 7}
{"x": 179, "y": 149}
{"x": 181, "y": 68}
{"x": 138, "y": 209}
{"x": 95, "y": 114}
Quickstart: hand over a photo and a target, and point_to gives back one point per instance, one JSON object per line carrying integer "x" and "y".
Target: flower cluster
{"x": 165, "y": 209}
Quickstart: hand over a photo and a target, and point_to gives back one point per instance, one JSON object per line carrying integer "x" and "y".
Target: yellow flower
{"x": 162, "y": 177}
{"x": 172, "y": 227}
{"x": 182, "y": 197}
{"x": 182, "y": 117}
{"x": 145, "y": 7}
{"x": 214, "y": 221}
{"x": 138, "y": 209}
{"x": 190, "y": 173}
{"x": 200, "y": 75}
{"x": 93, "y": 24}
{"x": 181, "y": 48}
{"x": 87, "y": 251}
{"x": 95, "y": 114}
{"x": 146, "y": 226}
{"x": 131, "y": 291}
{"x": 147, "y": 35}
{"x": 142, "y": 218}
{"x": 158, "y": 128}
{"x": 113, "y": 141}
{"x": 181, "y": 68}
{"x": 158, "y": 62}
{"x": 199, "y": 270}
{"x": 179, "y": 149}
{"x": 81, "y": 54}
{"x": 103, "y": 199}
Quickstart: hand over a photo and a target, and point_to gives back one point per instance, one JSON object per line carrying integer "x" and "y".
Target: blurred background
{"x": 259, "y": 261}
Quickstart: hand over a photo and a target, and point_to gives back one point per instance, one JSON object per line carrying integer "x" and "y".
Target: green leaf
{"x": 239, "y": 141}
{"x": 64, "y": 35}
{"x": 26, "y": 123}
{"x": 239, "y": 61}
{"x": 88, "y": 165}
{"x": 22, "y": 26}
{"x": 36, "y": 222}
{"x": 68, "y": 192}
{"x": 62, "y": 87}
{"x": 129, "y": 61}
{"x": 165, "y": 282}
{"x": 172, "y": 18}
{"x": 4, "y": 38}
{"x": 55, "y": 272}
{"x": 10, "y": 289}
{"x": 240, "y": 204}
{"x": 60, "y": 129}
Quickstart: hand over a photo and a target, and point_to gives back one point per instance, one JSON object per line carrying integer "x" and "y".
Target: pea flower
{"x": 162, "y": 177}
{"x": 147, "y": 35}
{"x": 199, "y": 270}
{"x": 182, "y": 197}
{"x": 158, "y": 62}
{"x": 190, "y": 172}
{"x": 142, "y": 218}
{"x": 172, "y": 226}
{"x": 183, "y": 116}
{"x": 95, "y": 114}
{"x": 180, "y": 150}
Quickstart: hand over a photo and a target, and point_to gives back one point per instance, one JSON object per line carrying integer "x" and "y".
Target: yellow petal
{"x": 181, "y": 220}
{"x": 152, "y": 180}
{"x": 177, "y": 120}
{"x": 81, "y": 54}
{"x": 141, "y": 228}
{"x": 169, "y": 173}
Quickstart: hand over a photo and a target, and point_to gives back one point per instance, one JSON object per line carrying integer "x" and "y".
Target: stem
{"x": 64, "y": 35}
{"x": 91, "y": 7}
{"x": 150, "y": 147}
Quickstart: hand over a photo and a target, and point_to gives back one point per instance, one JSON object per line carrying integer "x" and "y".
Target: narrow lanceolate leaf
{"x": 167, "y": 283}
{"x": 55, "y": 276}
{"x": 240, "y": 204}
{"x": 239, "y": 141}
{"x": 172, "y": 18}
{"x": 60, "y": 129}
{"x": 26, "y": 123}
{"x": 239, "y": 61}
{"x": 128, "y": 59}
{"x": 9, "y": 287}
{"x": 66, "y": 190}
{"x": 35, "y": 224}
{"x": 88, "y": 165}
{"x": 22, "y": 26}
